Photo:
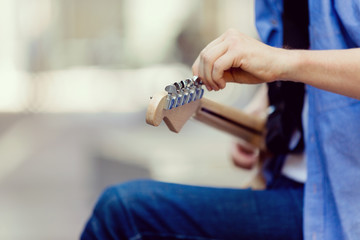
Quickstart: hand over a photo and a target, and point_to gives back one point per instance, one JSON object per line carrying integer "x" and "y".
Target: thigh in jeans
{"x": 153, "y": 210}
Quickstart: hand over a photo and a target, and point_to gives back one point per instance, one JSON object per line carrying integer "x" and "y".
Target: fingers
{"x": 214, "y": 60}
{"x": 195, "y": 66}
{"x": 208, "y": 67}
{"x": 207, "y": 59}
{"x": 202, "y": 66}
{"x": 222, "y": 64}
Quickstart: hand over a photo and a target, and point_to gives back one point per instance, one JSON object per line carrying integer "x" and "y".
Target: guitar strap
{"x": 286, "y": 97}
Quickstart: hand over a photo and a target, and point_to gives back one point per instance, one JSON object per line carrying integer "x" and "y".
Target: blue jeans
{"x": 150, "y": 210}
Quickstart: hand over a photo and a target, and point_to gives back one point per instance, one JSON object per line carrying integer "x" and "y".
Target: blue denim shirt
{"x": 332, "y": 192}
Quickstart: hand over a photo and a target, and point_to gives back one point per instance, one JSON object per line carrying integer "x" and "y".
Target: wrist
{"x": 289, "y": 64}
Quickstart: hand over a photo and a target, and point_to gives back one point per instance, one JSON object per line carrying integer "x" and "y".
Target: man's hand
{"x": 235, "y": 57}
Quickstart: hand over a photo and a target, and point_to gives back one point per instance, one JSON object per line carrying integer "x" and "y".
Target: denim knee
{"x": 128, "y": 192}
{"x": 124, "y": 191}
{"x": 112, "y": 216}
{"x": 121, "y": 198}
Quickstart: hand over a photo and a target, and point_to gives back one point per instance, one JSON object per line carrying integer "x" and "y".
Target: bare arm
{"x": 235, "y": 57}
{"x": 332, "y": 70}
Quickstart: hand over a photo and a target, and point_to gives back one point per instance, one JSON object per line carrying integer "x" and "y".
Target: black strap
{"x": 296, "y": 24}
{"x": 286, "y": 97}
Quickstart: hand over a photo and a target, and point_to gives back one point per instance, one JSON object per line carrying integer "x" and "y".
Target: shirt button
{"x": 312, "y": 139}
{"x": 274, "y": 22}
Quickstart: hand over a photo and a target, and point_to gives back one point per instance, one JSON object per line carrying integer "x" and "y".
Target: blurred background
{"x": 75, "y": 81}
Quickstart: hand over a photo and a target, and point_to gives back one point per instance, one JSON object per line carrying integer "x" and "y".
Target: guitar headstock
{"x": 176, "y": 104}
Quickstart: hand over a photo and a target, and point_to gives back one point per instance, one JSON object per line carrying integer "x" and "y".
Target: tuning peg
{"x": 197, "y": 81}
{"x": 183, "y": 92}
{"x": 171, "y": 89}
{"x": 180, "y": 95}
{"x": 171, "y": 97}
{"x": 189, "y": 83}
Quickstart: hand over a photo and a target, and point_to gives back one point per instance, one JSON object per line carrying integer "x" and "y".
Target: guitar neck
{"x": 232, "y": 121}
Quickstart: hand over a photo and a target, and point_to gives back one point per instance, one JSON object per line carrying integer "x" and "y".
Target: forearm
{"x": 332, "y": 70}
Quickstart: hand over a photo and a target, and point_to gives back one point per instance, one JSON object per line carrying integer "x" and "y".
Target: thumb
{"x": 237, "y": 75}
